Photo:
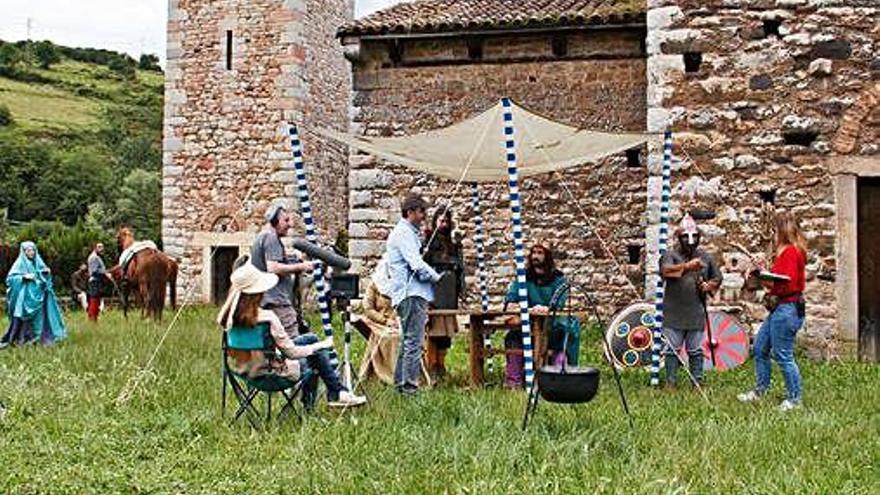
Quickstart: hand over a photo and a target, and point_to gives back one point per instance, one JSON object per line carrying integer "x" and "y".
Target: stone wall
{"x": 783, "y": 89}
{"x": 226, "y": 155}
{"x": 433, "y": 83}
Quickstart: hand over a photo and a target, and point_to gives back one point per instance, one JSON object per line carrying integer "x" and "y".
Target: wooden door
{"x": 869, "y": 268}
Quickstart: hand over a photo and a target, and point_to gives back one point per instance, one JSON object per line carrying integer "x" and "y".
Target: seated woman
{"x": 381, "y": 355}
{"x": 34, "y": 314}
{"x": 242, "y": 308}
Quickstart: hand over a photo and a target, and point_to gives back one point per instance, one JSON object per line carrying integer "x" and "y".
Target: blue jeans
{"x": 776, "y": 338}
{"x": 318, "y": 362}
{"x": 413, "y": 315}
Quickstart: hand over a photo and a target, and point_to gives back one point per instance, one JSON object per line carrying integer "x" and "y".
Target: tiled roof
{"x": 427, "y": 16}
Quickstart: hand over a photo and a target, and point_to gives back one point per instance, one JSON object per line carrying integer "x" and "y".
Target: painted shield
{"x": 629, "y": 336}
{"x": 731, "y": 342}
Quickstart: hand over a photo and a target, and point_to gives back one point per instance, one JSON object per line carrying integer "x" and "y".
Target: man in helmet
{"x": 691, "y": 275}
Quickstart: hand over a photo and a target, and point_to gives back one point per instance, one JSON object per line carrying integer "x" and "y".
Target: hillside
{"x": 84, "y": 141}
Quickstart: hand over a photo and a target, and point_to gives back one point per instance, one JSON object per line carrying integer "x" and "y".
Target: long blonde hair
{"x": 788, "y": 232}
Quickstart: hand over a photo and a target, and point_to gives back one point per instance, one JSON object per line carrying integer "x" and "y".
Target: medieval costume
{"x": 33, "y": 310}
{"x": 543, "y": 281}
{"x": 690, "y": 275}
{"x": 444, "y": 254}
{"x": 380, "y": 317}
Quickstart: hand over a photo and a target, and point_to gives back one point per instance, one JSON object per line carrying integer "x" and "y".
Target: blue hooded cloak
{"x": 30, "y": 298}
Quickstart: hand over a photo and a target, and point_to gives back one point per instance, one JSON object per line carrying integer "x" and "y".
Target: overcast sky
{"x": 131, "y": 26}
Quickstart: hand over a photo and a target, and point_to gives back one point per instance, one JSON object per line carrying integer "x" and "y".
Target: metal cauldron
{"x": 568, "y": 385}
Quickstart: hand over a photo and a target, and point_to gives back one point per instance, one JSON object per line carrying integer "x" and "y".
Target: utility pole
{"x": 30, "y": 23}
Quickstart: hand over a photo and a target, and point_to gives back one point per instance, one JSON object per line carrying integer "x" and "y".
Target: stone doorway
{"x": 868, "y": 226}
{"x": 221, "y": 269}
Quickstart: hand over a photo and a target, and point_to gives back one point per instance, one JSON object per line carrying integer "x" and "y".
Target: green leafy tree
{"x": 150, "y": 62}
{"x": 124, "y": 66}
{"x": 22, "y": 165}
{"x": 139, "y": 203}
{"x": 11, "y": 57}
{"x": 66, "y": 190}
{"x": 46, "y": 53}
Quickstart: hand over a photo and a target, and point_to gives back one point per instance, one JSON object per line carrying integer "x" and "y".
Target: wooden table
{"x": 483, "y": 324}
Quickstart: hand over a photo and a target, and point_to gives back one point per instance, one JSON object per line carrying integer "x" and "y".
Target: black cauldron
{"x": 569, "y": 385}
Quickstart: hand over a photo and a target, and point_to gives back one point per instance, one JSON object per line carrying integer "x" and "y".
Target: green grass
{"x": 65, "y": 433}
{"x": 40, "y": 106}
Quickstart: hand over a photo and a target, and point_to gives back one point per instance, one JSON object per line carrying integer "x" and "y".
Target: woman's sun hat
{"x": 247, "y": 279}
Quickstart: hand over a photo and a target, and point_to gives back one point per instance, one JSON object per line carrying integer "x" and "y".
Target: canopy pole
{"x": 481, "y": 264}
{"x": 518, "y": 242}
{"x": 662, "y": 244}
{"x": 305, "y": 208}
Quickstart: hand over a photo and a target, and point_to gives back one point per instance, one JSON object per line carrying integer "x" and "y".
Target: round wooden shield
{"x": 731, "y": 342}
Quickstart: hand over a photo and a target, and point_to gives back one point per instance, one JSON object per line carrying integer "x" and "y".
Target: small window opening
{"x": 633, "y": 159}
{"x": 229, "y": 49}
{"x": 692, "y": 61}
{"x": 800, "y": 138}
{"x": 771, "y": 27}
{"x": 395, "y": 52}
{"x": 475, "y": 49}
{"x": 559, "y": 45}
{"x": 768, "y": 196}
{"x": 634, "y": 252}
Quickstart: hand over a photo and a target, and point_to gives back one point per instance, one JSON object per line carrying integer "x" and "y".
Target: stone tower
{"x": 237, "y": 72}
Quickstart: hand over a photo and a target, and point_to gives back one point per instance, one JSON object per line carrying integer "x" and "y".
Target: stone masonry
{"x": 600, "y": 84}
{"x": 226, "y": 155}
{"x": 766, "y": 97}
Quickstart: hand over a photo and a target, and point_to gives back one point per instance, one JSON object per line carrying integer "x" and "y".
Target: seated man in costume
{"x": 444, "y": 254}
{"x": 542, "y": 281}
{"x": 691, "y": 275}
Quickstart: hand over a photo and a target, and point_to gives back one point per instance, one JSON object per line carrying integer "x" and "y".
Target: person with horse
{"x": 143, "y": 266}
{"x": 98, "y": 274}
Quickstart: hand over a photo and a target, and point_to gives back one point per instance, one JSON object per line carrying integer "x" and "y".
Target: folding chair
{"x": 246, "y": 388}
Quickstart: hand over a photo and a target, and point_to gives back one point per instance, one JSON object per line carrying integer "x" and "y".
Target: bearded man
{"x": 543, "y": 280}
{"x": 691, "y": 275}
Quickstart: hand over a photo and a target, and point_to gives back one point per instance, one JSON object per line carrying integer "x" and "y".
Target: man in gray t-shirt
{"x": 691, "y": 275}
{"x": 267, "y": 254}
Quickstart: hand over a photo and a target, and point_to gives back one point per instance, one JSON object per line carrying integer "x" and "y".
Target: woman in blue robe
{"x": 34, "y": 314}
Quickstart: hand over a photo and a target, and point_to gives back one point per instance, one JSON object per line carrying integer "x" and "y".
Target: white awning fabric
{"x": 473, "y": 150}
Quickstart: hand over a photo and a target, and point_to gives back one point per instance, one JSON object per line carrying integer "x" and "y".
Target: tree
{"x": 46, "y": 53}
{"x": 150, "y": 62}
{"x": 10, "y": 57}
{"x": 124, "y": 66}
{"x": 140, "y": 203}
{"x": 66, "y": 190}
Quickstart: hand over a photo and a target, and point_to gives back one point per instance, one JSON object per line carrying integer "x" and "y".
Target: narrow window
{"x": 771, "y": 27}
{"x": 692, "y": 61}
{"x": 229, "y": 49}
{"x": 475, "y": 49}
{"x": 559, "y": 44}
{"x": 768, "y": 196}
{"x": 632, "y": 158}
{"x": 800, "y": 137}
{"x": 634, "y": 253}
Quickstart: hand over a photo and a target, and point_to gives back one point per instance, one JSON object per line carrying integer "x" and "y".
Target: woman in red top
{"x": 776, "y": 338}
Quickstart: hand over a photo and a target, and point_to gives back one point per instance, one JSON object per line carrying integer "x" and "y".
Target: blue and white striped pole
{"x": 481, "y": 262}
{"x": 518, "y": 242}
{"x": 663, "y": 242}
{"x": 305, "y": 208}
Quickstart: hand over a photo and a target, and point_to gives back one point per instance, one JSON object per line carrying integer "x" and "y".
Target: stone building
{"x": 237, "y": 72}
{"x": 774, "y": 105}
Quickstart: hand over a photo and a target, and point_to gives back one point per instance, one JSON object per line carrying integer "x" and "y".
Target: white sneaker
{"x": 750, "y": 396}
{"x": 788, "y": 405}
{"x": 348, "y": 399}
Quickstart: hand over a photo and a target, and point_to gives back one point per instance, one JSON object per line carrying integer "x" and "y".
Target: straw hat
{"x": 246, "y": 279}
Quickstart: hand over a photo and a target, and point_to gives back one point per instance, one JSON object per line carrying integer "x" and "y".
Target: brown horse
{"x": 149, "y": 270}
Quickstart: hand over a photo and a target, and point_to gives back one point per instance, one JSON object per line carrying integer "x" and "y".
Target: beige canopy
{"x": 473, "y": 150}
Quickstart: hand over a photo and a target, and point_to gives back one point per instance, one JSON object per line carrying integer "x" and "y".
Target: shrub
{"x": 5, "y": 116}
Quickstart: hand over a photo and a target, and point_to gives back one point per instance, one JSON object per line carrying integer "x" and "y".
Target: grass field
{"x": 64, "y": 431}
